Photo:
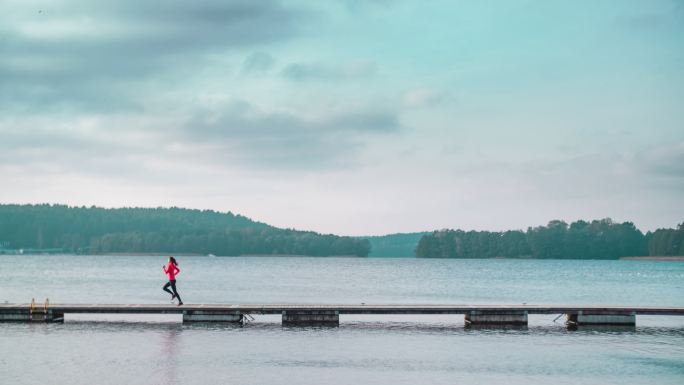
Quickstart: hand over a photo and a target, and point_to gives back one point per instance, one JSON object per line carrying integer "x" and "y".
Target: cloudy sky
{"x": 348, "y": 116}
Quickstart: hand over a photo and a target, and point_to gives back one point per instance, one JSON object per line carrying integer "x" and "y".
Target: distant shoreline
{"x": 678, "y": 258}
{"x": 150, "y": 254}
{"x": 162, "y": 254}
{"x": 223, "y": 256}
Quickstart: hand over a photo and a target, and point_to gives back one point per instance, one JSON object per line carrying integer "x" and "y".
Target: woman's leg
{"x": 175, "y": 292}
{"x": 166, "y": 288}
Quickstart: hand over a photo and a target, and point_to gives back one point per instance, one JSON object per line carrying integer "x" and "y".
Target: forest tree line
{"x": 400, "y": 245}
{"x": 168, "y": 230}
{"x": 598, "y": 239}
{"x": 174, "y": 230}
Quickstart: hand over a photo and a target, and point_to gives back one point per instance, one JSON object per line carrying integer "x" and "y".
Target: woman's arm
{"x": 177, "y": 269}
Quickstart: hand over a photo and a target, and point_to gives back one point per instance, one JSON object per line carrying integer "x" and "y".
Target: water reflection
{"x": 170, "y": 340}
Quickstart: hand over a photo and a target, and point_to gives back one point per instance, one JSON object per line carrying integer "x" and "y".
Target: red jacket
{"x": 171, "y": 271}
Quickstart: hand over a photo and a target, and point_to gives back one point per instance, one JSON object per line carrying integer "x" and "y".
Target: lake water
{"x": 364, "y": 349}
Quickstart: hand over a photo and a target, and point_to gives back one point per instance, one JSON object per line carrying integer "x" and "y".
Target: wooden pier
{"x": 305, "y": 314}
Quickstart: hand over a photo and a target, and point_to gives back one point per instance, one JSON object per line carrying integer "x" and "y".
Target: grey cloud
{"x": 258, "y": 62}
{"x": 299, "y": 71}
{"x": 665, "y": 160}
{"x": 314, "y": 71}
{"x": 283, "y": 140}
{"x": 236, "y": 134}
{"x": 367, "y": 122}
{"x": 39, "y": 143}
{"x": 662, "y": 15}
{"x": 39, "y": 148}
{"x": 657, "y": 167}
{"x": 96, "y": 64}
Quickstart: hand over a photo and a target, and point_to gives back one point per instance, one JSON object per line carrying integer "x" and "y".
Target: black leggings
{"x": 174, "y": 293}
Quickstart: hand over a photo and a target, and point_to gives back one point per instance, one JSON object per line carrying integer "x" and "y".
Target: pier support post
{"x": 311, "y": 318}
{"x": 212, "y": 316}
{"x": 496, "y": 318}
{"x": 601, "y": 318}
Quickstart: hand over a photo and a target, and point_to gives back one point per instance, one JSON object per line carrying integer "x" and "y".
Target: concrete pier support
{"x": 28, "y": 316}
{"x": 311, "y": 318}
{"x": 15, "y": 316}
{"x": 603, "y": 318}
{"x": 205, "y": 316}
{"x": 496, "y": 318}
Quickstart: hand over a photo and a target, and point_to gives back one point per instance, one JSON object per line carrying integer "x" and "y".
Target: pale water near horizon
{"x": 363, "y": 350}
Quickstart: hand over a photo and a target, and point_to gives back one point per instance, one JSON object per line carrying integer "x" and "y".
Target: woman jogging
{"x": 171, "y": 270}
